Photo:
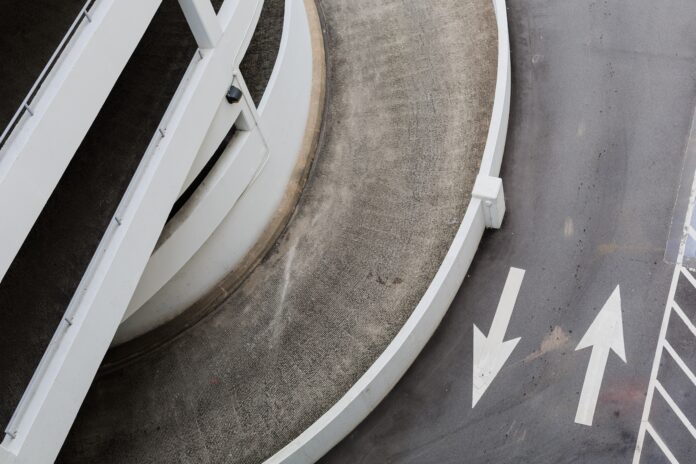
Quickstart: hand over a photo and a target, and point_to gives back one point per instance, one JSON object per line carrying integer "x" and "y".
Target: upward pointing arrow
{"x": 604, "y": 335}
{"x": 491, "y": 353}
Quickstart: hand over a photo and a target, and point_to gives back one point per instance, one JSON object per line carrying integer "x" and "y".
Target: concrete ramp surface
{"x": 409, "y": 93}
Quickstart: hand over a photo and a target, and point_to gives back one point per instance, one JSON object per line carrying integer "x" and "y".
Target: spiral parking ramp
{"x": 321, "y": 201}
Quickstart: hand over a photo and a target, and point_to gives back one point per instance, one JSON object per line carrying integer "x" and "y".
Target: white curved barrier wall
{"x": 165, "y": 290}
{"x": 381, "y": 377}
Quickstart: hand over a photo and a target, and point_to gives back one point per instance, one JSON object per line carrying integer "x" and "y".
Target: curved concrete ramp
{"x": 409, "y": 93}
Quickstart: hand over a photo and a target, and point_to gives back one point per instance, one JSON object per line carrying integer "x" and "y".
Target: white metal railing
{"x": 51, "y": 401}
{"x": 232, "y": 229}
{"x": 25, "y": 106}
{"x": 64, "y": 102}
{"x": 237, "y": 168}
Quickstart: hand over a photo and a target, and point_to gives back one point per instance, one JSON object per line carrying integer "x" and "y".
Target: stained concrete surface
{"x": 410, "y": 89}
{"x": 603, "y": 95}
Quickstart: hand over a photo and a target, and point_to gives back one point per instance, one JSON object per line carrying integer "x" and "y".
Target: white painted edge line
{"x": 689, "y": 276}
{"x": 661, "y": 444}
{"x": 645, "y": 424}
{"x": 677, "y": 410}
{"x": 684, "y": 318}
{"x": 664, "y": 345}
{"x": 381, "y": 377}
{"x": 680, "y": 362}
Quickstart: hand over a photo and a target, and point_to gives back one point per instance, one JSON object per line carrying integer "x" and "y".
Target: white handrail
{"x": 33, "y": 92}
{"x": 39, "y": 149}
{"x": 285, "y": 119}
{"x": 51, "y": 401}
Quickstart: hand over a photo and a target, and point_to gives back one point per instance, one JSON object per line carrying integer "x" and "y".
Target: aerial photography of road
{"x": 348, "y": 231}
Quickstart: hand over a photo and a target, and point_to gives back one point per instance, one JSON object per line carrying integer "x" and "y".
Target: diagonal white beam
{"x": 186, "y": 233}
{"x": 40, "y": 148}
{"x": 60, "y": 384}
{"x": 203, "y": 22}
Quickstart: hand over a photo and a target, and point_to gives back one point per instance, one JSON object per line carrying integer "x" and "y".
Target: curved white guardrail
{"x": 485, "y": 209}
{"x": 235, "y": 205}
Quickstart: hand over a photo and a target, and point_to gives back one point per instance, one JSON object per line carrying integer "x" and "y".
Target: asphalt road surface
{"x": 602, "y": 108}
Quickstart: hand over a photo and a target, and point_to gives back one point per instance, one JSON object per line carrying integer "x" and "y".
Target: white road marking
{"x": 491, "y": 353}
{"x": 692, "y": 232}
{"x": 680, "y": 312}
{"x": 680, "y": 362}
{"x": 662, "y": 343}
{"x": 654, "y": 385}
{"x": 604, "y": 335}
{"x": 661, "y": 443}
{"x": 689, "y": 276}
{"x": 675, "y": 407}
{"x": 645, "y": 425}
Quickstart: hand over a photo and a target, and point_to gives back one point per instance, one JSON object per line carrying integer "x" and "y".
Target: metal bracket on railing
{"x": 234, "y": 94}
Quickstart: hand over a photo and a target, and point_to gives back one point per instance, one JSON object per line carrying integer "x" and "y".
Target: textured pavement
{"x": 603, "y": 96}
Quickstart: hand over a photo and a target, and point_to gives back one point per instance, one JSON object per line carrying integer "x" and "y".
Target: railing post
{"x": 203, "y": 22}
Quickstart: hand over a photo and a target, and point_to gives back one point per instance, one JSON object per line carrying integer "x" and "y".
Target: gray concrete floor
{"x": 410, "y": 90}
{"x": 603, "y": 98}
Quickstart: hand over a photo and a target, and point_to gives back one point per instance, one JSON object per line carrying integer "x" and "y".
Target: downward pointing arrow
{"x": 490, "y": 353}
{"x": 605, "y": 334}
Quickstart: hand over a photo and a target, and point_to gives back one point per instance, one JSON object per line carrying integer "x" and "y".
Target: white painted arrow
{"x": 490, "y": 353}
{"x": 605, "y": 334}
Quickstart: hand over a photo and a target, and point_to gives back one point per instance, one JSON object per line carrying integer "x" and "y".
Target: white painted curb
{"x": 381, "y": 377}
